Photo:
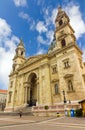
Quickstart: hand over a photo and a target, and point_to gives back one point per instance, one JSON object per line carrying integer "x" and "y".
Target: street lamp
{"x": 64, "y": 97}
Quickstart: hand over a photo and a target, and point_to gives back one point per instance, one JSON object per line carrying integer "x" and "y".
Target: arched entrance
{"x": 32, "y": 92}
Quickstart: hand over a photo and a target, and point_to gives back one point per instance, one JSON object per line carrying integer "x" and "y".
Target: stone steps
{"x": 25, "y": 111}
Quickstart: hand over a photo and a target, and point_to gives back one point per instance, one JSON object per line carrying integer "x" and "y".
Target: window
{"x": 54, "y": 69}
{"x": 80, "y": 61}
{"x": 10, "y": 96}
{"x": 21, "y": 53}
{"x": 56, "y": 89}
{"x": 60, "y": 22}
{"x": 70, "y": 85}
{"x": 63, "y": 43}
{"x": 11, "y": 84}
{"x": 66, "y": 64}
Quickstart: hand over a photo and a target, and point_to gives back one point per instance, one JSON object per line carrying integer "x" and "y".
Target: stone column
{"x": 28, "y": 92}
{"x": 25, "y": 95}
{"x": 26, "y": 86}
{"x": 37, "y": 103}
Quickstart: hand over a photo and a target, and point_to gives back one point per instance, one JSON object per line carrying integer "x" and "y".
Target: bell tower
{"x": 19, "y": 57}
{"x": 68, "y": 59}
{"x": 64, "y": 32}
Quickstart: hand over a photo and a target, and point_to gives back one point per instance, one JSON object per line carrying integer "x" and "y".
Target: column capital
{"x": 27, "y": 84}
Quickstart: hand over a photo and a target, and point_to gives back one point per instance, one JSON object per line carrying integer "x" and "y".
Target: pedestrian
{"x": 20, "y": 113}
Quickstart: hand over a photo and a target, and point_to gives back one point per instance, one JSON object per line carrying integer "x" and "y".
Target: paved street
{"x": 41, "y": 123}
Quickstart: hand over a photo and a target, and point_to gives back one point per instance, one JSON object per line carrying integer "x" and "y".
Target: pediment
{"x": 34, "y": 58}
{"x": 68, "y": 75}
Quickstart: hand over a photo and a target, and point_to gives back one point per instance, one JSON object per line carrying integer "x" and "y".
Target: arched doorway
{"x": 32, "y": 92}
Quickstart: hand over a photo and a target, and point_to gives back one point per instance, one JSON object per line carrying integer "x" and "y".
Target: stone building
{"x": 3, "y": 97}
{"x": 52, "y": 78}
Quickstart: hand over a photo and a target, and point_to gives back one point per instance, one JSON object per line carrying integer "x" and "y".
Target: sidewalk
{"x": 14, "y": 120}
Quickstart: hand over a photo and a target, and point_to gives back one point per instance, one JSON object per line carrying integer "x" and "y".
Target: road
{"x": 42, "y": 123}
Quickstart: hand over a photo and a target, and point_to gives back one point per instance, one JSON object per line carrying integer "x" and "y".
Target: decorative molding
{"x": 68, "y": 75}
{"x": 55, "y": 80}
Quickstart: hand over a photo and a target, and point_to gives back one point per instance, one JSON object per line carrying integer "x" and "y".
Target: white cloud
{"x": 24, "y": 16}
{"x": 32, "y": 25}
{"x": 40, "y": 27}
{"x": 49, "y": 35}
{"x": 40, "y": 3}
{"x": 50, "y": 16}
{"x": 5, "y": 30}
{"x": 47, "y": 41}
{"x": 45, "y": 27}
{"x": 54, "y": 14}
{"x": 76, "y": 19}
{"x": 40, "y": 51}
{"x": 7, "y": 49}
{"x": 84, "y": 55}
{"x": 41, "y": 40}
{"x": 20, "y": 3}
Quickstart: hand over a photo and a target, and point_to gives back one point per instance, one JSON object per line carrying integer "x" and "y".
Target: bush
{"x": 78, "y": 112}
{"x": 58, "y": 114}
{"x": 46, "y": 107}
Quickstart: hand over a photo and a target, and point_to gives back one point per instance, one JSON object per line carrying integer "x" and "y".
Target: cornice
{"x": 55, "y": 52}
{"x": 33, "y": 61}
{"x": 62, "y": 26}
{"x": 19, "y": 57}
{"x": 13, "y": 73}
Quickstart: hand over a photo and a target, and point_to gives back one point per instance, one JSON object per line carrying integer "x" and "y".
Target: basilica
{"x": 53, "y": 78}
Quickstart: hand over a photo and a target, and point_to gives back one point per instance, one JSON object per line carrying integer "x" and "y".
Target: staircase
{"x": 27, "y": 111}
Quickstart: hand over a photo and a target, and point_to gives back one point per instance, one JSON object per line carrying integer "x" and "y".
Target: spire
{"x": 61, "y": 13}
{"x": 19, "y": 57}
{"x": 21, "y": 43}
{"x": 20, "y": 50}
{"x": 59, "y": 8}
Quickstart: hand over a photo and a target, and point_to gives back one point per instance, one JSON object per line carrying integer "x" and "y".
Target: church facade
{"x": 52, "y": 78}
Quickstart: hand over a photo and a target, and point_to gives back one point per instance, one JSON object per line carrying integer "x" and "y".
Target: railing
{"x": 55, "y": 108}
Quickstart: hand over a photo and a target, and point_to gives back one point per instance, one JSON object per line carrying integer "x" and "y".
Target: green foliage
{"x": 78, "y": 113}
{"x": 58, "y": 114}
{"x": 46, "y": 107}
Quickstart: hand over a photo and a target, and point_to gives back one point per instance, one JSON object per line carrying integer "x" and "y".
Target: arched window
{"x": 10, "y": 96}
{"x": 63, "y": 42}
{"x": 60, "y": 22}
{"x": 70, "y": 85}
{"x": 56, "y": 89}
{"x": 21, "y": 53}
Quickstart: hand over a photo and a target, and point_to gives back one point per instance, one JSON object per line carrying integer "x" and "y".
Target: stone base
{"x": 9, "y": 109}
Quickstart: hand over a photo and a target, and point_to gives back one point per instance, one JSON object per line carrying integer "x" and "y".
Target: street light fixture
{"x": 64, "y": 97}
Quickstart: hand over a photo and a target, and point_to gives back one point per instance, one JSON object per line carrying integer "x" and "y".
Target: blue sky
{"x": 34, "y": 22}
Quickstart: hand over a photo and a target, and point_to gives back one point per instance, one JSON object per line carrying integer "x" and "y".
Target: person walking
{"x": 20, "y": 113}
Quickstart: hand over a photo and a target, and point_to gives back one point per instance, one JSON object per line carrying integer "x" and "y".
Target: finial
{"x": 21, "y": 42}
{"x": 59, "y": 8}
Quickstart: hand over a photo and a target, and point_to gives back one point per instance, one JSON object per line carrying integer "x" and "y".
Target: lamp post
{"x": 64, "y": 97}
